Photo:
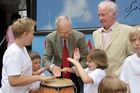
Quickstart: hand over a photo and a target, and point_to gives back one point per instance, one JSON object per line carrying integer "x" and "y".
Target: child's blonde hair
{"x": 136, "y": 32}
{"x": 98, "y": 56}
{"x": 112, "y": 84}
{"x": 22, "y": 25}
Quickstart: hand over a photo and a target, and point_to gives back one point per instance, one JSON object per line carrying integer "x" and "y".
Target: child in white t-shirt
{"x": 94, "y": 73}
{"x": 17, "y": 66}
{"x": 131, "y": 69}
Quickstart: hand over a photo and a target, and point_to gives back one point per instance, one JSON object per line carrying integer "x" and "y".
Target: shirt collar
{"x": 110, "y": 29}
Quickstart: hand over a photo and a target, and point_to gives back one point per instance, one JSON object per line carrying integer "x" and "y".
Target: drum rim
{"x": 59, "y": 86}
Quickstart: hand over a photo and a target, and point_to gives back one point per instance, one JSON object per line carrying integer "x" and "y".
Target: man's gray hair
{"x": 59, "y": 18}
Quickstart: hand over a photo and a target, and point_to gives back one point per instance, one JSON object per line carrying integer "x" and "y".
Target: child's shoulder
{"x": 131, "y": 57}
{"x": 99, "y": 70}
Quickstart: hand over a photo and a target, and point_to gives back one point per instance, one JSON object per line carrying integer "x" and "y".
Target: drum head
{"x": 58, "y": 83}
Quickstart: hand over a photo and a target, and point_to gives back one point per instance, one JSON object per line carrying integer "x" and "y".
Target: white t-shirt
{"x": 131, "y": 73}
{"x": 16, "y": 61}
{"x": 97, "y": 75}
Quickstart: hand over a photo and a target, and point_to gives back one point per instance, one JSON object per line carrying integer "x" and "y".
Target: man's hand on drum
{"x": 67, "y": 69}
{"x": 56, "y": 71}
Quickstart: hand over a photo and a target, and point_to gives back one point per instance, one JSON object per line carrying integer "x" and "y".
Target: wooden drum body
{"x": 61, "y": 85}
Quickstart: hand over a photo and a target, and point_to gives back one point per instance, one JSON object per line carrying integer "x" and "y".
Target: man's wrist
{"x": 52, "y": 67}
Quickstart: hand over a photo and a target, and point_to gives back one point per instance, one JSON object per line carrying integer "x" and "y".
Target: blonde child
{"x": 112, "y": 84}
{"x": 94, "y": 73}
{"x": 131, "y": 69}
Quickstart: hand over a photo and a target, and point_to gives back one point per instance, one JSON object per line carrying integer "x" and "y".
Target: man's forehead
{"x": 64, "y": 27}
{"x": 64, "y": 30}
{"x": 103, "y": 10}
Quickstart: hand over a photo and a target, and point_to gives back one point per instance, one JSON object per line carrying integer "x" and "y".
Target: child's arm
{"x": 40, "y": 71}
{"x": 18, "y": 80}
{"x": 84, "y": 76}
{"x": 76, "y": 56}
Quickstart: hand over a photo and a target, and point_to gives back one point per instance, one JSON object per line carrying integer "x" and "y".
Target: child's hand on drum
{"x": 51, "y": 77}
{"x": 44, "y": 78}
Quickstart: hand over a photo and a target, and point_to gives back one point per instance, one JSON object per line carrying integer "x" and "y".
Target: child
{"x": 36, "y": 59}
{"x": 94, "y": 73}
{"x": 131, "y": 69}
{"x": 112, "y": 84}
{"x": 17, "y": 66}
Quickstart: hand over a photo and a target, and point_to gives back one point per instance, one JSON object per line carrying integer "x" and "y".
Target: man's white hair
{"x": 112, "y": 5}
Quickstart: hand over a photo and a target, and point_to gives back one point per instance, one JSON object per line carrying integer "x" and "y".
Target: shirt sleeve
{"x": 97, "y": 75}
{"x": 125, "y": 71}
{"x": 13, "y": 64}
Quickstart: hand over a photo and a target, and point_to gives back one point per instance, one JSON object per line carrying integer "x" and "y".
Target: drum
{"x": 61, "y": 85}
